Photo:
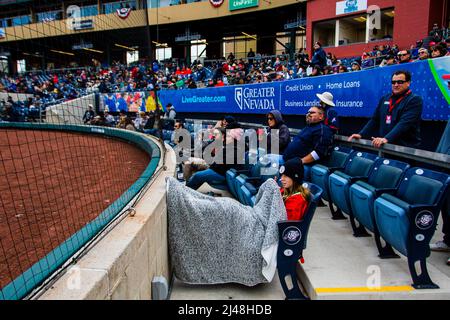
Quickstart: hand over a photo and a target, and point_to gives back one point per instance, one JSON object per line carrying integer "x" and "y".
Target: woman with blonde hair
{"x": 296, "y": 197}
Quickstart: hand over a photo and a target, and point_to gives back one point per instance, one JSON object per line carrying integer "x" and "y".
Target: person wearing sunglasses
{"x": 397, "y": 117}
{"x": 279, "y": 130}
{"x": 404, "y": 56}
{"x": 423, "y": 54}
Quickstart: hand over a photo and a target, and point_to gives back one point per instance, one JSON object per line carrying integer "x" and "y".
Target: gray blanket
{"x": 218, "y": 240}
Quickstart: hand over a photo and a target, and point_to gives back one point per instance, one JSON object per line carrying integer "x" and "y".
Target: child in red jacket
{"x": 296, "y": 197}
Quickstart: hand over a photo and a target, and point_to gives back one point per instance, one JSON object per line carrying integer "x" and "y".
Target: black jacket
{"x": 283, "y": 134}
{"x": 404, "y": 129}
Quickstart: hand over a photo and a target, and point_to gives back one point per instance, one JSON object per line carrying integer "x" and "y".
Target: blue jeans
{"x": 208, "y": 175}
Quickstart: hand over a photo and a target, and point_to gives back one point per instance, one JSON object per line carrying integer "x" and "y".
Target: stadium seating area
{"x": 398, "y": 203}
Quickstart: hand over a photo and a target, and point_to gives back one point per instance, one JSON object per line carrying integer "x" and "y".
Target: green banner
{"x": 242, "y": 4}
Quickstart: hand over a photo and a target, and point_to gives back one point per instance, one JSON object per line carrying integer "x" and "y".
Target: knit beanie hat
{"x": 293, "y": 168}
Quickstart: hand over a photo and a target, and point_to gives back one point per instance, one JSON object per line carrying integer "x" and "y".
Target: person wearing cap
{"x": 295, "y": 196}
{"x": 356, "y": 66}
{"x": 423, "y": 54}
{"x": 331, "y": 116}
{"x": 89, "y": 114}
{"x": 397, "y": 117}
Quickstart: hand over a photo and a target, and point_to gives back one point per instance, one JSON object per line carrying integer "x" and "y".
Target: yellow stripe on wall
{"x": 365, "y": 289}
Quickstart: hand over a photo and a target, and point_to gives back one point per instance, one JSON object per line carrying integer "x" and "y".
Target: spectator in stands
{"x": 356, "y": 66}
{"x": 140, "y": 121}
{"x": 438, "y": 51}
{"x": 170, "y": 112}
{"x": 328, "y": 70}
{"x": 389, "y": 61}
{"x": 230, "y": 57}
{"x": 397, "y": 117}
{"x": 89, "y": 114}
{"x": 278, "y": 129}
{"x": 436, "y": 33}
{"x": 366, "y": 61}
{"x": 423, "y": 54}
{"x": 331, "y": 116}
{"x": 109, "y": 120}
{"x": 404, "y": 56}
{"x": 176, "y": 128}
{"x": 215, "y": 174}
{"x": 314, "y": 142}
{"x": 251, "y": 56}
{"x": 319, "y": 57}
{"x": 342, "y": 69}
{"x": 128, "y": 124}
{"x": 316, "y": 71}
{"x": 295, "y": 197}
{"x": 447, "y": 42}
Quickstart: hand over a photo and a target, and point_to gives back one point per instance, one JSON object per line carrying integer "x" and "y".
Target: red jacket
{"x": 296, "y": 206}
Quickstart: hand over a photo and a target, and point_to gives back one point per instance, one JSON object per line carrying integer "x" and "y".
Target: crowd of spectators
{"x": 67, "y": 84}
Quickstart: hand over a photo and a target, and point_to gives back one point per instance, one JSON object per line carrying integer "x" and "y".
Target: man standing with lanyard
{"x": 397, "y": 117}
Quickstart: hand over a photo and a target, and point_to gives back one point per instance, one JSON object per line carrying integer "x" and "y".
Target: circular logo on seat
{"x": 288, "y": 252}
{"x": 386, "y": 161}
{"x": 424, "y": 219}
{"x": 282, "y": 169}
{"x": 419, "y": 172}
{"x": 359, "y": 154}
{"x": 291, "y": 236}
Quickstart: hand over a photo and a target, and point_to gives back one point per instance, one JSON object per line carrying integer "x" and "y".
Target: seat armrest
{"x": 380, "y": 191}
{"x": 356, "y": 178}
{"x": 333, "y": 169}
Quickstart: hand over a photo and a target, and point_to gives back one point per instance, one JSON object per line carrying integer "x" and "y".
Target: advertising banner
{"x": 349, "y": 6}
{"x": 242, "y": 4}
{"x": 356, "y": 94}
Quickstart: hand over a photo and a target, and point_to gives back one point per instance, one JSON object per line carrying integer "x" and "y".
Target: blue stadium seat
{"x": 357, "y": 168}
{"x": 248, "y": 194}
{"x": 292, "y": 241}
{"x": 232, "y": 174}
{"x": 407, "y": 220}
{"x": 321, "y": 172}
{"x": 256, "y": 177}
{"x": 385, "y": 177}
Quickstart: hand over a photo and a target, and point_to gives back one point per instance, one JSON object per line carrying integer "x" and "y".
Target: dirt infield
{"x": 51, "y": 185}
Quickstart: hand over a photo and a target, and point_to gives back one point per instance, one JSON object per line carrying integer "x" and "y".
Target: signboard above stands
{"x": 350, "y": 6}
{"x": 242, "y": 4}
{"x": 82, "y": 24}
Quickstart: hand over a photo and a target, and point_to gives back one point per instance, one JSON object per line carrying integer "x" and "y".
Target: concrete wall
{"x": 70, "y": 111}
{"x": 123, "y": 263}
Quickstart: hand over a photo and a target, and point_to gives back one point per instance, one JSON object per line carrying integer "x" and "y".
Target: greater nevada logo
{"x": 255, "y": 98}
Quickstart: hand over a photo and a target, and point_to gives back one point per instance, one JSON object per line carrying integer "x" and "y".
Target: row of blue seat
{"x": 396, "y": 202}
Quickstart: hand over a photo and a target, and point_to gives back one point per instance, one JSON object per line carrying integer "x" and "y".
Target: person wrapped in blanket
{"x": 295, "y": 196}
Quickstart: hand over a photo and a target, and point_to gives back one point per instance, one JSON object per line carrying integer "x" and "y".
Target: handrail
{"x": 428, "y": 157}
{"x": 433, "y": 158}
